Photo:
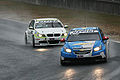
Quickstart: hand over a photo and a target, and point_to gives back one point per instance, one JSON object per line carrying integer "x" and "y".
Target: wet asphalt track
{"x": 21, "y": 62}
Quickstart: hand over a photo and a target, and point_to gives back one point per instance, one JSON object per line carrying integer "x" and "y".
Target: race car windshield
{"x": 84, "y": 37}
{"x": 48, "y": 25}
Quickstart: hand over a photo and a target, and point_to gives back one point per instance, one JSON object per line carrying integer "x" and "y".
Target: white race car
{"x": 45, "y": 31}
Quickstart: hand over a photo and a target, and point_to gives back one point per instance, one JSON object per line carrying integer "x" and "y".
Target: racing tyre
{"x": 33, "y": 42}
{"x": 62, "y": 62}
{"x": 26, "y": 42}
{"x": 105, "y": 60}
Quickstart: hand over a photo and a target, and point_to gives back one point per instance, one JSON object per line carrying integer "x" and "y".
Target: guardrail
{"x": 104, "y": 6}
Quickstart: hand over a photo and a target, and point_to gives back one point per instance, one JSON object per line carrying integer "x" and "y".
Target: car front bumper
{"x": 99, "y": 54}
{"x": 48, "y": 41}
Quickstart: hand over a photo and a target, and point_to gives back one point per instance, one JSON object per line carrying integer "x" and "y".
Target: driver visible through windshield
{"x": 48, "y": 25}
{"x": 83, "y": 37}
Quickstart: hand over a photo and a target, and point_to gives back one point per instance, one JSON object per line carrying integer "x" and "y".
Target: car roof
{"x": 81, "y": 28}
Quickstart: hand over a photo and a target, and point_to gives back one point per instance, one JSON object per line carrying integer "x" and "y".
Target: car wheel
{"x": 26, "y": 42}
{"x": 33, "y": 42}
{"x": 105, "y": 60}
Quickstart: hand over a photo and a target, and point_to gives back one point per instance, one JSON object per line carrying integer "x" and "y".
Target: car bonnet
{"x": 81, "y": 44}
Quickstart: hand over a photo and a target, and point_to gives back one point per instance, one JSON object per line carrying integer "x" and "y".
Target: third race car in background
{"x": 45, "y": 31}
{"x": 85, "y": 43}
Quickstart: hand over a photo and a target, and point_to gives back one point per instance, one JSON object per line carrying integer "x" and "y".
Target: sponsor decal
{"x": 35, "y": 32}
{"x": 77, "y": 32}
{"x": 82, "y": 49}
{"x": 86, "y": 44}
{"x": 82, "y": 43}
{"x": 47, "y": 21}
{"x": 84, "y": 27}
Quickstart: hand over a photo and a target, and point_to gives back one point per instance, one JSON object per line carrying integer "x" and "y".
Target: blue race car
{"x": 85, "y": 42}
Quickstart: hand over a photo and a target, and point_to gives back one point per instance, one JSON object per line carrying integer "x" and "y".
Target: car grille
{"x": 53, "y": 35}
{"x": 42, "y": 41}
{"x": 54, "y": 42}
{"x": 56, "y": 35}
{"x": 87, "y": 48}
{"x": 82, "y": 52}
{"x": 50, "y": 35}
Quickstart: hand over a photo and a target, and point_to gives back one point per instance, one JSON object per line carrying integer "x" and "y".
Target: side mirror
{"x": 66, "y": 26}
{"x": 31, "y": 27}
{"x": 105, "y": 38}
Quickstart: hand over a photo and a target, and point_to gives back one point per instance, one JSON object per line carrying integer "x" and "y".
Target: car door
{"x": 30, "y": 30}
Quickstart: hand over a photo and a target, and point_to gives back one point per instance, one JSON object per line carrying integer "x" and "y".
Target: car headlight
{"x": 65, "y": 34}
{"x": 97, "y": 48}
{"x": 40, "y": 35}
{"x": 67, "y": 50}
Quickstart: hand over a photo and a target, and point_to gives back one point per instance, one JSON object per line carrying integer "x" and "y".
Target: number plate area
{"x": 51, "y": 39}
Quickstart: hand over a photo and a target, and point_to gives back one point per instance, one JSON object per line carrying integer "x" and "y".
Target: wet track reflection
{"x": 98, "y": 74}
{"x": 69, "y": 74}
{"x": 41, "y": 50}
